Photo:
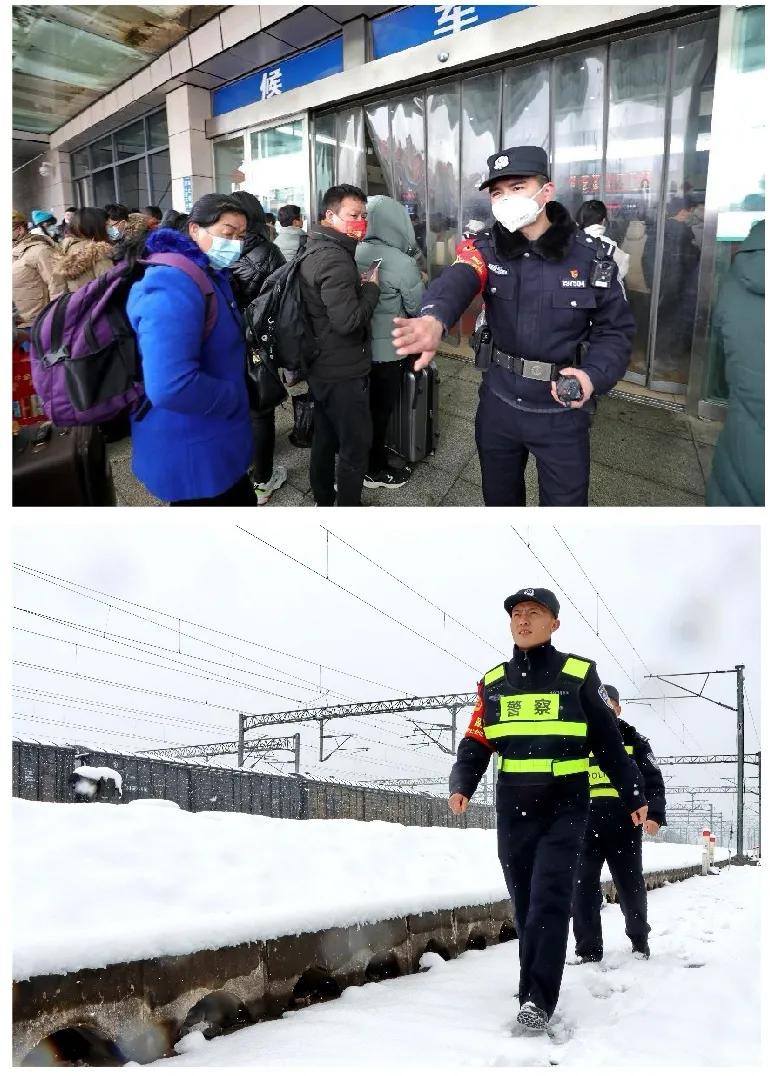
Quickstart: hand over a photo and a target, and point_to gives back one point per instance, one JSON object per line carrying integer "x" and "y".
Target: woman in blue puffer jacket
{"x": 194, "y": 445}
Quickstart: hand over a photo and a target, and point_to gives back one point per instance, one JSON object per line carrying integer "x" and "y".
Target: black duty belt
{"x": 533, "y": 369}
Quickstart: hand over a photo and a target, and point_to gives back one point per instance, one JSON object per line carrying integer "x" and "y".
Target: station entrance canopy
{"x": 65, "y": 58}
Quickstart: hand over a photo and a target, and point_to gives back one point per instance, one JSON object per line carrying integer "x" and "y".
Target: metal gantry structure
{"x": 688, "y": 693}
{"x": 257, "y": 750}
{"x": 321, "y": 714}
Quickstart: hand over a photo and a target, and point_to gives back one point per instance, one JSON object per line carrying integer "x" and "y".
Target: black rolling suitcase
{"x": 61, "y": 467}
{"x": 413, "y": 428}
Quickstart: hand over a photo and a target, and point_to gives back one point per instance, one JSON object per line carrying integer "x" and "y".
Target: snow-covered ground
{"x": 97, "y": 883}
{"x": 694, "y": 1003}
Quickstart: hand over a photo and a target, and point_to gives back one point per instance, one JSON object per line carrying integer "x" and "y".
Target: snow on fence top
{"x": 100, "y": 773}
{"x": 96, "y": 884}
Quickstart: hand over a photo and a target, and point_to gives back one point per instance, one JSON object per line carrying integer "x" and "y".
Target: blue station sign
{"x": 280, "y": 77}
{"x": 416, "y": 25}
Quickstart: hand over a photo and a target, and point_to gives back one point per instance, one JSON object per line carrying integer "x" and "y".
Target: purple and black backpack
{"x": 84, "y": 355}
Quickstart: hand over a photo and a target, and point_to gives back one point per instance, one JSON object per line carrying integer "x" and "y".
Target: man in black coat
{"x": 340, "y": 303}
{"x": 610, "y": 836}
{"x": 543, "y": 712}
{"x": 554, "y": 310}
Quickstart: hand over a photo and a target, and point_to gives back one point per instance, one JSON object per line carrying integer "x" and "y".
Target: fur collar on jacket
{"x": 31, "y": 239}
{"x": 79, "y": 256}
{"x": 552, "y": 244}
{"x": 168, "y": 241}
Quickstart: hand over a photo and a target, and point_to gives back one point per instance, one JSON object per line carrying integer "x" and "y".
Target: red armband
{"x": 467, "y": 254}
{"x": 476, "y": 727}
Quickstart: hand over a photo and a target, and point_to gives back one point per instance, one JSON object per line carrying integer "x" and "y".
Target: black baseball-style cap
{"x": 516, "y": 161}
{"x": 613, "y": 693}
{"x": 533, "y": 594}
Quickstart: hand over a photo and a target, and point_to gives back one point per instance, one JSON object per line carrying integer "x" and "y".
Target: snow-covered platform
{"x": 155, "y": 909}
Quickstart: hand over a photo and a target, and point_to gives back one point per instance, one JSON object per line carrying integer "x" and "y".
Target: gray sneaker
{"x": 265, "y": 490}
{"x": 531, "y": 1016}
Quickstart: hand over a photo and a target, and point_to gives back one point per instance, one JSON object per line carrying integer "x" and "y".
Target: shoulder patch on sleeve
{"x": 605, "y": 697}
{"x": 467, "y": 253}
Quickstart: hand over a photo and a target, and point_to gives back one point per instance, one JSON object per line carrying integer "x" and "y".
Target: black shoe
{"x": 387, "y": 479}
{"x": 641, "y": 948}
{"x": 586, "y": 958}
{"x": 532, "y": 1017}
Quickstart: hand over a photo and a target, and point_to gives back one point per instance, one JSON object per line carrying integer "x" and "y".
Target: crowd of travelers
{"x": 204, "y": 439}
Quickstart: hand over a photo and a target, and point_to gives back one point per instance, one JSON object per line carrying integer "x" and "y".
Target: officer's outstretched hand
{"x": 458, "y": 803}
{"x": 586, "y": 385}
{"x": 651, "y": 827}
{"x": 417, "y": 335}
{"x": 639, "y": 817}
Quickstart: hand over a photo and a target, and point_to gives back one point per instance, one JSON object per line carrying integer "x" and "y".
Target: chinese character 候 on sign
{"x": 270, "y": 84}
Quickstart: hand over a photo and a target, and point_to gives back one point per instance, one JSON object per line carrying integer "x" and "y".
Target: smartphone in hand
{"x": 372, "y": 270}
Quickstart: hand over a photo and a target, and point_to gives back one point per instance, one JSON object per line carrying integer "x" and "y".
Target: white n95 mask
{"x": 516, "y": 211}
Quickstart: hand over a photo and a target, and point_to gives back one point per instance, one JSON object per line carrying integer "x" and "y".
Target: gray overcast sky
{"x": 686, "y": 596}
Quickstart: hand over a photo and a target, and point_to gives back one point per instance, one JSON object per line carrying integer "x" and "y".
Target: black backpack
{"x": 278, "y": 323}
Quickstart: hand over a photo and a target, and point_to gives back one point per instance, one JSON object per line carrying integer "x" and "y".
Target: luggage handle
{"x": 418, "y": 387}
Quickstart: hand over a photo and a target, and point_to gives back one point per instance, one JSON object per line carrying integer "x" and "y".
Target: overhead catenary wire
{"x": 642, "y": 662}
{"x": 86, "y": 728}
{"x": 411, "y": 589}
{"x": 352, "y": 594}
{"x": 147, "y": 647}
{"x": 629, "y": 676}
{"x": 73, "y": 587}
{"x": 97, "y": 706}
{"x": 577, "y": 609}
{"x": 185, "y": 669}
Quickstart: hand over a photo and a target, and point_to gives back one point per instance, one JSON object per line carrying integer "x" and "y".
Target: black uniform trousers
{"x": 611, "y": 836}
{"x": 558, "y": 440}
{"x": 538, "y": 853}
{"x": 342, "y": 427}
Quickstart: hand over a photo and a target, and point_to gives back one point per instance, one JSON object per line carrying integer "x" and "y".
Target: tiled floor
{"x": 641, "y": 455}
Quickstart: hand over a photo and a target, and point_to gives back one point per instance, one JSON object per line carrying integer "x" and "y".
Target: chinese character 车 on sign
{"x": 454, "y": 17}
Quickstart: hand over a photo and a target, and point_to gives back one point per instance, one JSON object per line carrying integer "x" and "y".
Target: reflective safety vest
{"x": 538, "y": 735}
{"x": 598, "y": 781}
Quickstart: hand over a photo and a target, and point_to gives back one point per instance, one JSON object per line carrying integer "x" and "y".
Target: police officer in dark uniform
{"x": 542, "y": 712}
{"x": 558, "y": 332}
{"x": 610, "y": 836}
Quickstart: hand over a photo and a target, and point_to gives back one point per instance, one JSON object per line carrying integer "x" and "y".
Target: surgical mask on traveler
{"x": 516, "y": 211}
{"x": 113, "y": 233}
{"x": 223, "y": 252}
{"x": 354, "y": 229}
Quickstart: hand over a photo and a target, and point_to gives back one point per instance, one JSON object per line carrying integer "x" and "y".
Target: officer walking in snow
{"x": 558, "y": 332}
{"x": 543, "y": 712}
{"x": 611, "y": 836}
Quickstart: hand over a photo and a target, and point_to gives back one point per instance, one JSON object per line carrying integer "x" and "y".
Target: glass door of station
{"x": 627, "y": 121}
{"x": 271, "y": 163}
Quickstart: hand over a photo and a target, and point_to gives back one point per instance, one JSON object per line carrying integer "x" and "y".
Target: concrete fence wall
{"x": 41, "y": 772}
{"x": 138, "y": 1010}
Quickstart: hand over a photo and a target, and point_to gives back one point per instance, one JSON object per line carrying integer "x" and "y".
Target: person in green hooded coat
{"x": 738, "y": 472}
{"x": 390, "y": 237}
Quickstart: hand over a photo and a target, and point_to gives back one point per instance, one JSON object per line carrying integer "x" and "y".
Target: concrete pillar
{"x": 190, "y": 152}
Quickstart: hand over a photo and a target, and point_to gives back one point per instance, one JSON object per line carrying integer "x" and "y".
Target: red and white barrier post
{"x": 705, "y": 861}
{"x": 712, "y": 848}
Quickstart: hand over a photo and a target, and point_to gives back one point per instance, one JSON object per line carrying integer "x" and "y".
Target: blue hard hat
{"x": 41, "y": 216}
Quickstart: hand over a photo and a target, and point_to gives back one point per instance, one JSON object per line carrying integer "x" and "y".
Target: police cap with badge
{"x": 516, "y": 161}
{"x": 540, "y": 595}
